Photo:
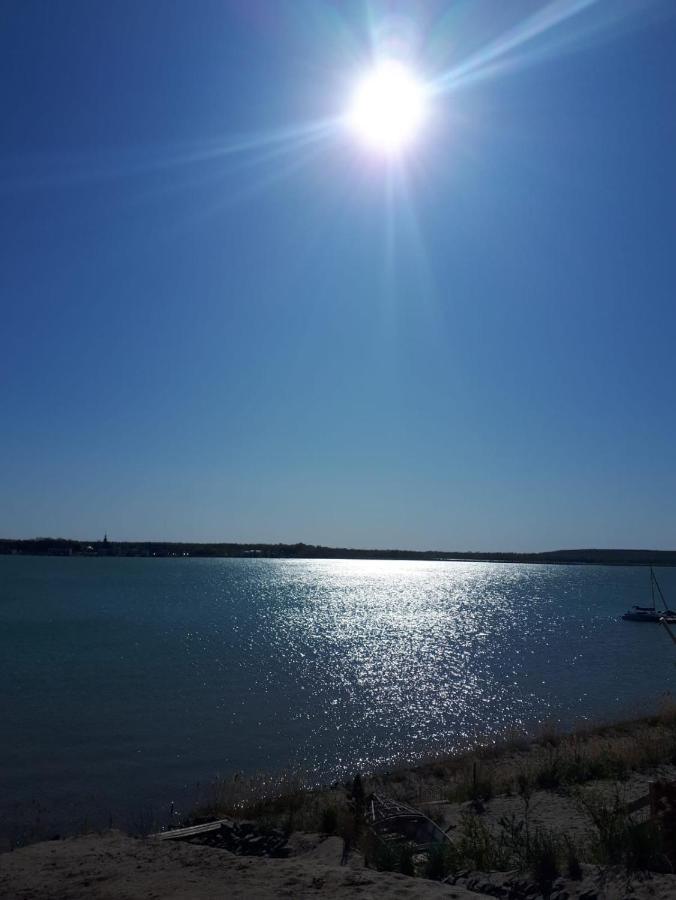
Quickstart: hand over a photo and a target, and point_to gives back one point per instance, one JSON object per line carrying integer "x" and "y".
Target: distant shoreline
{"x": 167, "y": 549}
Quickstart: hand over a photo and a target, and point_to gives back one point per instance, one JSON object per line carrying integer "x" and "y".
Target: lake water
{"x": 125, "y": 682}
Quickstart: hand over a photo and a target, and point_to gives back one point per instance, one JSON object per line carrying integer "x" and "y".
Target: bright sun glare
{"x": 388, "y": 107}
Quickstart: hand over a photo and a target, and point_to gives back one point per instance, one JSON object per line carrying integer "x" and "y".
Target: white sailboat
{"x": 651, "y": 613}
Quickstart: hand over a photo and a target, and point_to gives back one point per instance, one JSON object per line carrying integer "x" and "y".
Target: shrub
{"x": 440, "y": 862}
{"x": 406, "y": 864}
{"x": 476, "y": 846}
{"x": 643, "y": 847}
{"x": 514, "y": 840}
{"x": 386, "y": 856}
{"x": 348, "y": 826}
{"x": 573, "y": 866}
{"x": 544, "y": 859}
{"x": 476, "y": 785}
{"x": 609, "y": 820}
{"x": 549, "y": 733}
{"x": 358, "y": 790}
{"x": 620, "y": 840}
{"x": 550, "y": 777}
{"x": 329, "y": 820}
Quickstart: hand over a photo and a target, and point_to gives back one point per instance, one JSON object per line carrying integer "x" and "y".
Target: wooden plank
{"x": 637, "y": 804}
{"x": 175, "y": 834}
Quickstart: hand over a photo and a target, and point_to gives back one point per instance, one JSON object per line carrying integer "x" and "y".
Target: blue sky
{"x": 222, "y": 319}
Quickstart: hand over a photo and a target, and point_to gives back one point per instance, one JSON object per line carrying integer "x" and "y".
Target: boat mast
{"x": 655, "y": 582}
{"x": 652, "y": 586}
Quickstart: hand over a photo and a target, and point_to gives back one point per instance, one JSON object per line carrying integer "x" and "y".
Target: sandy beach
{"x": 116, "y": 866}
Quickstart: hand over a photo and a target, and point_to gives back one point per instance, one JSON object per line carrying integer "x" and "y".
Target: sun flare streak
{"x": 40, "y": 172}
{"x": 498, "y": 54}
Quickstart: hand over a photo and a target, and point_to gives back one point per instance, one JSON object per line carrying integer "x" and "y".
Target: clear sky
{"x": 224, "y": 318}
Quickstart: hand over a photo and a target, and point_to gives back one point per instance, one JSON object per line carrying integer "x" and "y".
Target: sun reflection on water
{"x": 397, "y": 653}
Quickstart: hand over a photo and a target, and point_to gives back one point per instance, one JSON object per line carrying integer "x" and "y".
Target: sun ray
{"x": 77, "y": 169}
{"x": 538, "y": 37}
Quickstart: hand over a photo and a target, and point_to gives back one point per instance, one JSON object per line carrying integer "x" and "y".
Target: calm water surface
{"x": 128, "y": 681}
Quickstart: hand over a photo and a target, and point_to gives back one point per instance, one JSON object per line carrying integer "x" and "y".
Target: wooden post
{"x": 663, "y": 810}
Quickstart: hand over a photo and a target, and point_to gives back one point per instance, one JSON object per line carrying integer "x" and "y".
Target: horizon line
{"x": 334, "y": 548}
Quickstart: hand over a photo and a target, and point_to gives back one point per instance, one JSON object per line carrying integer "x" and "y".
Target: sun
{"x": 388, "y": 108}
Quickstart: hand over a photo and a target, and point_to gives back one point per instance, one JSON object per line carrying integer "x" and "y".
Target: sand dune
{"x": 124, "y": 868}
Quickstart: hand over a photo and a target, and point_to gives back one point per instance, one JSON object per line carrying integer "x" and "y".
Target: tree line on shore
{"x": 47, "y": 546}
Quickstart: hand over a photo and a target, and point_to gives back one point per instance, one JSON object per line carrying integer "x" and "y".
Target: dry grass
{"x": 515, "y": 766}
{"x": 551, "y": 760}
{"x": 282, "y": 801}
